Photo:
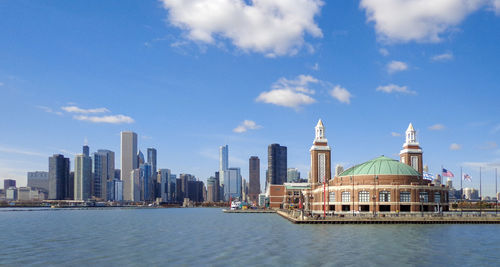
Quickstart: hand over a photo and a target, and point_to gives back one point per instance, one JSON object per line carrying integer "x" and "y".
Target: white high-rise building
{"x": 129, "y": 162}
{"x": 83, "y": 177}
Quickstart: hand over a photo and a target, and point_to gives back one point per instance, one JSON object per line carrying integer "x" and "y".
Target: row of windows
{"x": 385, "y": 196}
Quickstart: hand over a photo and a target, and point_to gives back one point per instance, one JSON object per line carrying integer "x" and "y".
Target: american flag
{"x": 467, "y": 177}
{"x": 447, "y": 173}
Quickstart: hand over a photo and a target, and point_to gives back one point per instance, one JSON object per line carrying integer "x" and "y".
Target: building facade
{"x": 59, "y": 184}
{"x": 7, "y": 183}
{"x": 276, "y": 164}
{"x": 83, "y": 177}
{"x": 129, "y": 163}
{"x": 39, "y": 179}
{"x": 254, "y": 179}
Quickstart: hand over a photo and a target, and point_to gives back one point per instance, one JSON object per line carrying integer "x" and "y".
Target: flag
{"x": 447, "y": 173}
{"x": 428, "y": 176}
{"x": 467, "y": 177}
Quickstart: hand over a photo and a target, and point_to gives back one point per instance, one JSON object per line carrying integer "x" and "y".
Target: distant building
{"x": 277, "y": 164}
{"x": 254, "y": 179}
{"x": 39, "y": 179}
{"x": 7, "y": 183}
{"x": 338, "y": 170}
{"x": 152, "y": 159}
{"x": 262, "y": 200}
{"x": 471, "y": 193}
{"x": 86, "y": 150}
{"x": 212, "y": 189}
{"x": 155, "y": 182}
{"x": 195, "y": 191}
{"x": 59, "y": 177}
{"x": 11, "y": 193}
{"x": 292, "y": 175}
{"x": 114, "y": 190}
{"x": 223, "y": 166}
{"x": 129, "y": 163}
{"x": 83, "y": 177}
{"x": 165, "y": 185}
{"x": 146, "y": 182}
{"x": 104, "y": 172}
{"x": 136, "y": 186}
{"x": 232, "y": 186}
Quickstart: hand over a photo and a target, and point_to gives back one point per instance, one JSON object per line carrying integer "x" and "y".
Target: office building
{"x": 152, "y": 160}
{"x": 254, "y": 178}
{"x": 195, "y": 191}
{"x": 232, "y": 186}
{"x": 114, "y": 190}
{"x": 11, "y": 193}
{"x": 277, "y": 164}
{"x": 7, "y": 183}
{"x": 104, "y": 171}
{"x": 86, "y": 150}
{"x": 83, "y": 177}
{"x": 165, "y": 184}
{"x": 211, "y": 189}
{"x": 223, "y": 164}
{"x": 471, "y": 193}
{"x": 59, "y": 177}
{"x": 292, "y": 175}
{"x": 129, "y": 163}
{"x": 39, "y": 180}
{"x": 147, "y": 193}
{"x": 136, "y": 186}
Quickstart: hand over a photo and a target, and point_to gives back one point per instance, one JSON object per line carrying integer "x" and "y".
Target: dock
{"x": 392, "y": 220}
{"x": 248, "y": 211}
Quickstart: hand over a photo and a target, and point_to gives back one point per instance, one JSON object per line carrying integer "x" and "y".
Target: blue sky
{"x": 189, "y": 76}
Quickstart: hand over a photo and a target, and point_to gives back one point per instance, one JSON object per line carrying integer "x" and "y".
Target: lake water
{"x": 209, "y": 237}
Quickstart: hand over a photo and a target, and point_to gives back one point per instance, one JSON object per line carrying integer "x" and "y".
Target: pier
{"x": 249, "y": 211}
{"x": 415, "y": 219}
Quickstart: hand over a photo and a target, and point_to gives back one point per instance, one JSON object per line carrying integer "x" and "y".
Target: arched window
{"x": 346, "y": 196}
{"x": 385, "y": 196}
{"x": 364, "y": 196}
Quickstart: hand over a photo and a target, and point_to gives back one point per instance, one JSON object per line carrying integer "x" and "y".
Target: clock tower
{"x": 412, "y": 153}
{"x": 320, "y": 156}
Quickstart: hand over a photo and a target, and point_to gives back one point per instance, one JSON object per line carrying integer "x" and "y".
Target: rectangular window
{"x": 414, "y": 163}
{"x": 437, "y": 197}
{"x": 332, "y": 197}
{"x": 321, "y": 167}
{"x": 346, "y": 196}
{"x": 405, "y": 197}
{"x": 385, "y": 196}
{"x": 424, "y": 197}
{"x": 364, "y": 196}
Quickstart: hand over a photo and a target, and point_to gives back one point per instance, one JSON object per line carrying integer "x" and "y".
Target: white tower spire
{"x": 411, "y": 136}
{"x": 320, "y": 132}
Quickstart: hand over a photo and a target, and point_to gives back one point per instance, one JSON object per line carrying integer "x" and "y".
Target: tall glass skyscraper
{"x": 146, "y": 183}
{"x": 59, "y": 177}
{"x": 83, "y": 177}
{"x": 254, "y": 177}
{"x": 223, "y": 166}
{"x": 277, "y": 164}
{"x": 104, "y": 169}
{"x": 129, "y": 163}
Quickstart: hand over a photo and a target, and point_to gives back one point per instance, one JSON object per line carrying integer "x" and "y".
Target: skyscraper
{"x": 8, "y": 183}
{"x": 146, "y": 182}
{"x": 58, "y": 177}
{"x": 232, "y": 186}
{"x": 104, "y": 169}
{"x": 211, "y": 189}
{"x": 86, "y": 150}
{"x": 165, "y": 184}
{"x": 129, "y": 163}
{"x": 254, "y": 177}
{"x": 277, "y": 164}
{"x": 223, "y": 165}
{"x": 39, "y": 180}
{"x": 156, "y": 184}
{"x": 152, "y": 159}
{"x": 83, "y": 177}
{"x": 292, "y": 175}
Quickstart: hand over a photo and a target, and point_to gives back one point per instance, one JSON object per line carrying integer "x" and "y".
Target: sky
{"x": 191, "y": 75}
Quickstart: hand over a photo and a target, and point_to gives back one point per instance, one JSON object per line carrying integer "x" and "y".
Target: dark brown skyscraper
{"x": 276, "y": 164}
{"x": 254, "y": 176}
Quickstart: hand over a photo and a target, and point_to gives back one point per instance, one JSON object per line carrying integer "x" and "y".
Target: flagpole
{"x": 461, "y": 192}
{"x": 480, "y": 194}
{"x": 496, "y": 193}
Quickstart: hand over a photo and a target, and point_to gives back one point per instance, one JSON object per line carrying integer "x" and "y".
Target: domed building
{"x": 379, "y": 185}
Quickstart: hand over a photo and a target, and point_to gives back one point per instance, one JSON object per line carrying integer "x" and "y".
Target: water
{"x": 208, "y": 237}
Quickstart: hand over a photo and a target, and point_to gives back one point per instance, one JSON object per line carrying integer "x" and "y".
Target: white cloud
{"x": 384, "y": 52}
{"x": 341, "y": 94}
{"x": 246, "y": 125}
{"x": 21, "y": 152}
{"x": 443, "y": 57}
{"x": 395, "y": 134}
{"x": 271, "y": 27}
{"x": 496, "y": 6}
{"x": 49, "y": 110}
{"x": 392, "y": 88}
{"x": 290, "y": 93}
{"x": 455, "y": 146}
{"x": 75, "y": 109}
{"x": 417, "y": 20}
{"x": 437, "y": 127}
{"x": 113, "y": 119}
{"x": 489, "y": 145}
{"x": 396, "y": 66}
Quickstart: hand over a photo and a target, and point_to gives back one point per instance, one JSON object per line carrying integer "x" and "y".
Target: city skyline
{"x": 187, "y": 92}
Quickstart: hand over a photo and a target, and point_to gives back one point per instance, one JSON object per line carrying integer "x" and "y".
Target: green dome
{"x": 381, "y": 166}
